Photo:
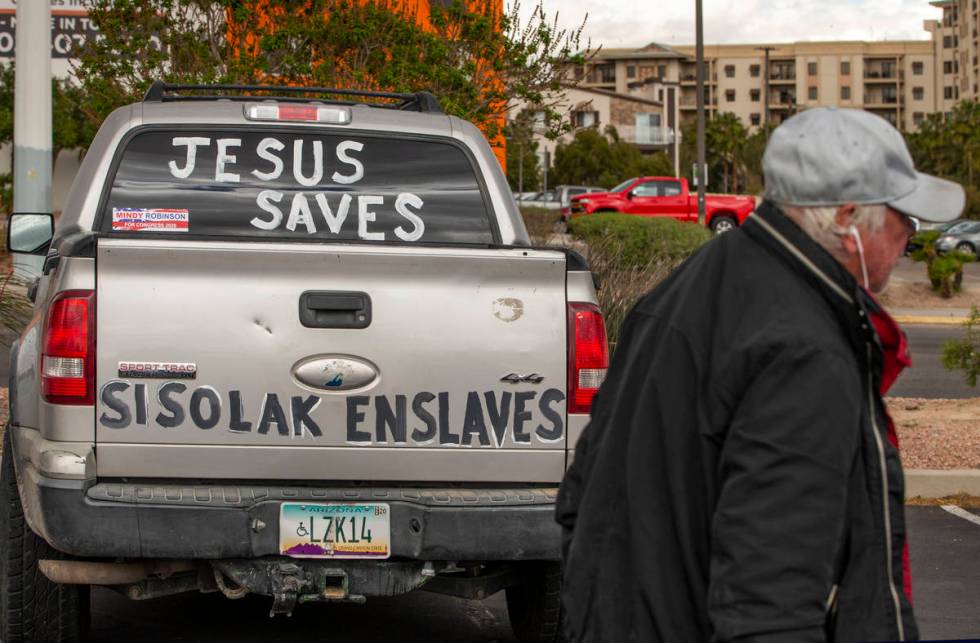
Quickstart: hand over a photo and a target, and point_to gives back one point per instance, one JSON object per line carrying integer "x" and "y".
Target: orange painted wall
{"x": 419, "y": 10}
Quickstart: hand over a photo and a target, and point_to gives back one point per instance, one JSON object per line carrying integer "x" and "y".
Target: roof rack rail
{"x": 160, "y": 91}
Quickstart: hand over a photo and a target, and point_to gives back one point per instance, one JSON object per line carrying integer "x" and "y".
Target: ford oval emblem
{"x": 335, "y": 372}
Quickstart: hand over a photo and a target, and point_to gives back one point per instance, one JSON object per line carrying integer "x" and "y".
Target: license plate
{"x": 335, "y": 530}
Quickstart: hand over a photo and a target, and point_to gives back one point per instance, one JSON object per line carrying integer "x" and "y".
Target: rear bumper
{"x": 83, "y": 518}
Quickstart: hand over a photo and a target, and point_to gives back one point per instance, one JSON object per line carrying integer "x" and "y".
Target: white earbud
{"x": 853, "y": 231}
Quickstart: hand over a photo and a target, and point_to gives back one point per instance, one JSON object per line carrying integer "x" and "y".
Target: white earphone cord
{"x": 864, "y": 267}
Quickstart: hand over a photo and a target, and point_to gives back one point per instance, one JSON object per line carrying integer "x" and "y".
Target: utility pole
{"x": 520, "y": 168}
{"x": 699, "y": 20}
{"x": 765, "y": 91}
{"x": 32, "y": 108}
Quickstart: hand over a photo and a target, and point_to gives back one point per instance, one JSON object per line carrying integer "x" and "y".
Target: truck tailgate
{"x": 329, "y": 361}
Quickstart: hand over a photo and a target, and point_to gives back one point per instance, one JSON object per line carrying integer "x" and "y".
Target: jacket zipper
{"x": 884, "y": 497}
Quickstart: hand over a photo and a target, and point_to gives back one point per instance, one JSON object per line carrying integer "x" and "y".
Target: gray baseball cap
{"x": 827, "y": 156}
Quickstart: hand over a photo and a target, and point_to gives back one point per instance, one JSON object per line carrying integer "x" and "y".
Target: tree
{"x": 476, "y": 60}
{"x": 726, "y": 150}
{"x": 603, "y": 159}
{"x": 950, "y": 147}
{"x": 523, "y": 169}
{"x": 71, "y": 129}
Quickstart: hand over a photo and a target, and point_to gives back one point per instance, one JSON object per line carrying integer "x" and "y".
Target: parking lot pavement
{"x": 945, "y": 555}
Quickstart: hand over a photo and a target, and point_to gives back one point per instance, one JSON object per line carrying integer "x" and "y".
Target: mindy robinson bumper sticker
{"x": 152, "y": 219}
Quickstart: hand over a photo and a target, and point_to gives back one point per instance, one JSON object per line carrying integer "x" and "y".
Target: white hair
{"x": 821, "y": 222}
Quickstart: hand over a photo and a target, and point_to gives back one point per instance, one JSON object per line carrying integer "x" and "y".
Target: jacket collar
{"x": 773, "y": 229}
{"x": 851, "y": 303}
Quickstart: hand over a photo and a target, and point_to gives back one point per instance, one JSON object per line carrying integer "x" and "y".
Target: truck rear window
{"x": 301, "y": 185}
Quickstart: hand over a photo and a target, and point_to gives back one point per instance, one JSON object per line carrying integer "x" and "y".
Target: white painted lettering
{"x": 334, "y": 222}
{"x": 317, "y": 163}
{"x": 224, "y": 158}
{"x": 264, "y": 200}
{"x": 192, "y": 143}
{"x": 365, "y": 216}
{"x": 264, "y": 151}
{"x": 404, "y": 200}
{"x": 299, "y": 213}
{"x": 343, "y": 157}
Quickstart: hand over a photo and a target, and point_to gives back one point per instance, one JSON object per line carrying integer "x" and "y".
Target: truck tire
{"x": 534, "y": 606}
{"x": 32, "y": 608}
{"x": 723, "y": 224}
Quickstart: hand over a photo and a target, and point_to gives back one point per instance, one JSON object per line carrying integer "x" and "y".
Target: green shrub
{"x": 540, "y": 223}
{"x": 631, "y": 255}
{"x": 642, "y": 239}
{"x": 945, "y": 271}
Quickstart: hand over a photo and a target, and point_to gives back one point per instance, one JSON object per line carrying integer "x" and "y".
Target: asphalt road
{"x": 945, "y": 554}
{"x": 419, "y": 617}
{"x": 928, "y": 377}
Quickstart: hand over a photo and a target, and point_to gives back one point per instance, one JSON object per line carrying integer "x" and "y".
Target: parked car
{"x": 558, "y": 198}
{"x": 548, "y": 200}
{"x": 964, "y": 237}
{"x": 658, "y": 196}
{"x": 294, "y": 347}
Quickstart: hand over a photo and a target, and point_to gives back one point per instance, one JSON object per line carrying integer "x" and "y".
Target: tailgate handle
{"x": 334, "y": 309}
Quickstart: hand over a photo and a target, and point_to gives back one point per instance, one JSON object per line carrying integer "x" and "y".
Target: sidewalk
{"x": 949, "y": 316}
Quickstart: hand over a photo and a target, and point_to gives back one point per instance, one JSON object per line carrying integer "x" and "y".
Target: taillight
{"x": 588, "y": 355}
{"x": 68, "y": 349}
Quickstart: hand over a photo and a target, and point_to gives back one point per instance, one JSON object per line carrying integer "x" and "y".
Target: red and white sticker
{"x": 153, "y": 219}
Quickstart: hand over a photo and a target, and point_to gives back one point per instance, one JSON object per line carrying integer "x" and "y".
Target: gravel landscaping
{"x": 937, "y": 434}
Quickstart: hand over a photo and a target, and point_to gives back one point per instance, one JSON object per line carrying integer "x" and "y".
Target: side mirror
{"x": 629, "y": 195}
{"x": 29, "y": 233}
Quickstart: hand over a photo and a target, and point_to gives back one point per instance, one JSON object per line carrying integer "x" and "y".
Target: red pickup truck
{"x": 659, "y": 196}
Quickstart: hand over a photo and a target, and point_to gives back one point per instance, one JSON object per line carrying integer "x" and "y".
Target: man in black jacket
{"x": 738, "y": 480}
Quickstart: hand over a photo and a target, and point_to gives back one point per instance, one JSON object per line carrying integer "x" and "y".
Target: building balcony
{"x": 656, "y": 136}
{"x": 777, "y": 78}
{"x": 872, "y": 100}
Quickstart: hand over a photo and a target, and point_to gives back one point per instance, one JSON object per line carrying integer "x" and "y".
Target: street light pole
{"x": 699, "y": 28}
{"x": 765, "y": 95}
{"x": 32, "y": 108}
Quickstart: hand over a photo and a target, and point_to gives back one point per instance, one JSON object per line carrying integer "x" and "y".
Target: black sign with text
{"x": 68, "y": 32}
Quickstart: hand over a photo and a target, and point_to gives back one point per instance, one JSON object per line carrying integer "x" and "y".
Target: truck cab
{"x": 659, "y": 196}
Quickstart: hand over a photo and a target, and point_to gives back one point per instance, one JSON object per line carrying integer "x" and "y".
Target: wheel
{"x": 966, "y": 248}
{"x": 723, "y": 224}
{"x": 32, "y": 608}
{"x": 534, "y": 606}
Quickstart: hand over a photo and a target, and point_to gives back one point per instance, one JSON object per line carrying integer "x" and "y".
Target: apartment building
{"x": 895, "y": 79}
{"x": 646, "y": 119}
{"x": 956, "y": 46}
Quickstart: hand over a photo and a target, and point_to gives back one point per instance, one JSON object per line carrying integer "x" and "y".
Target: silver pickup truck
{"x": 294, "y": 347}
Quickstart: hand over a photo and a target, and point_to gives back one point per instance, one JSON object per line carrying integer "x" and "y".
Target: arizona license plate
{"x": 335, "y": 530}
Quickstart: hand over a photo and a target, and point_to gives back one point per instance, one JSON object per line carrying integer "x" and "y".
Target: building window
{"x": 754, "y": 70}
{"x": 585, "y": 119}
{"x": 660, "y": 95}
{"x": 917, "y": 68}
{"x": 948, "y": 67}
{"x": 948, "y": 93}
{"x": 918, "y": 93}
{"x": 917, "y": 118}
{"x": 604, "y": 74}
{"x": 811, "y": 93}
{"x": 947, "y": 42}
{"x": 811, "y": 69}
{"x": 845, "y": 68}
{"x": 755, "y": 119}
{"x": 631, "y": 71}
{"x": 755, "y": 95}
{"x": 729, "y": 71}
{"x": 648, "y": 130}
{"x": 845, "y": 93}
{"x": 730, "y": 95}
{"x": 661, "y": 71}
